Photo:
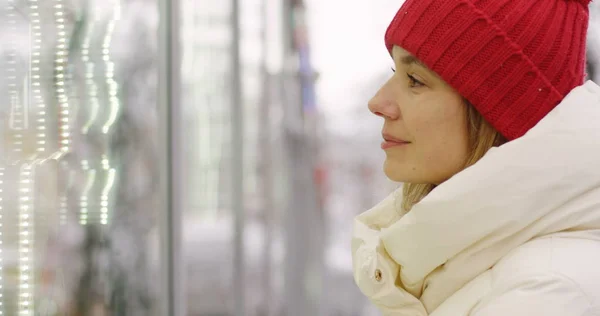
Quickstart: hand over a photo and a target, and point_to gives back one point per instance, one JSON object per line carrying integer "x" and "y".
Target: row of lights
{"x": 60, "y": 64}
{"x": 115, "y": 107}
{"x": 93, "y": 102}
{"x": 89, "y": 74}
{"x": 34, "y": 84}
{"x": 36, "y": 51}
{"x": 60, "y": 70}
{"x": 18, "y": 141}
{"x": 17, "y": 116}
{"x": 104, "y": 198}
{"x": 110, "y": 69}
{"x": 26, "y": 240}
{"x": 63, "y": 200}
{"x": 84, "y": 198}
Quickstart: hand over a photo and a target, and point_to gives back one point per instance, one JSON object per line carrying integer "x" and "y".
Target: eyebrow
{"x": 410, "y": 59}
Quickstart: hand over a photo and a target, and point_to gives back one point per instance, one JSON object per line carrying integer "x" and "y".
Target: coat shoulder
{"x": 564, "y": 263}
{"x": 573, "y": 257}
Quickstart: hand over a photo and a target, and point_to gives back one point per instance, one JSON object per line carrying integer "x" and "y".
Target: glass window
{"x": 78, "y": 158}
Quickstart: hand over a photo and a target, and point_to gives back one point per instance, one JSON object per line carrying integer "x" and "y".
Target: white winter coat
{"x": 516, "y": 234}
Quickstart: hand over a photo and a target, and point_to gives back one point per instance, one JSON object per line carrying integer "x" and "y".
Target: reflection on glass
{"x": 78, "y": 155}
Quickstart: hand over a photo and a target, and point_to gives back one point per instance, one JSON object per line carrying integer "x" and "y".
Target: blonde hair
{"x": 482, "y": 137}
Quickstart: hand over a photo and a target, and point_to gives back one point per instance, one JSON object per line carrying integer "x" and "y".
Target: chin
{"x": 394, "y": 177}
{"x": 404, "y": 173}
{"x": 396, "y": 172}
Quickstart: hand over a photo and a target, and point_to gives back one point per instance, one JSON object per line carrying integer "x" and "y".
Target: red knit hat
{"x": 514, "y": 60}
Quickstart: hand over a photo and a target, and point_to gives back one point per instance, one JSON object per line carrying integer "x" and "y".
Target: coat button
{"x": 378, "y": 276}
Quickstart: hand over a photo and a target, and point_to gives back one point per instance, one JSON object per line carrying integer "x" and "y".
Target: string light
{"x": 60, "y": 64}
{"x": 35, "y": 73}
{"x": 104, "y": 198}
{"x": 26, "y": 240}
{"x": 64, "y": 206}
{"x": 114, "y": 108}
{"x": 18, "y": 117}
{"x": 89, "y": 75}
{"x": 84, "y": 198}
{"x": 111, "y": 84}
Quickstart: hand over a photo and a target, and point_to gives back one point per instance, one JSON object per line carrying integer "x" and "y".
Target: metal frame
{"x": 237, "y": 164}
{"x": 172, "y": 271}
{"x": 173, "y": 302}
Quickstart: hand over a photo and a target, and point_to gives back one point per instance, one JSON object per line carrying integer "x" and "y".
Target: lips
{"x": 390, "y": 141}
{"x": 389, "y": 138}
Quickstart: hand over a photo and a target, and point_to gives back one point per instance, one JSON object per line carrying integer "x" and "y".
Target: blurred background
{"x": 189, "y": 157}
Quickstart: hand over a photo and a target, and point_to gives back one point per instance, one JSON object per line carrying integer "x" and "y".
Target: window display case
{"x": 81, "y": 172}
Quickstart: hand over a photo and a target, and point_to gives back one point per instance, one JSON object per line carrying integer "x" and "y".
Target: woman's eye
{"x": 414, "y": 83}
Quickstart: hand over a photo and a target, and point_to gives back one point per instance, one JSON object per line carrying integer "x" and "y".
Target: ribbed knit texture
{"x": 514, "y": 60}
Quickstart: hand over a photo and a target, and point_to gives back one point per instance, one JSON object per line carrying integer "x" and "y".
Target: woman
{"x": 489, "y": 124}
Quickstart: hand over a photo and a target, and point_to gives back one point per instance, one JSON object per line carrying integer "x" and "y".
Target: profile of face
{"x": 425, "y": 133}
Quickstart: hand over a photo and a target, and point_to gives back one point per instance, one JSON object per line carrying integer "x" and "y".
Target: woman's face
{"x": 425, "y": 135}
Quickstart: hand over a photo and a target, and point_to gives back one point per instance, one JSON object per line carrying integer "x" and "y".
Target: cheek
{"x": 441, "y": 136}
{"x": 436, "y": 122}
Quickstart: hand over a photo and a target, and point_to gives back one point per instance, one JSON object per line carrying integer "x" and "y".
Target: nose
{"x": 382, "y": 104}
